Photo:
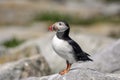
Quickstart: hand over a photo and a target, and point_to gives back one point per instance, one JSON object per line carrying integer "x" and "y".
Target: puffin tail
{"x": 88, "y": 57}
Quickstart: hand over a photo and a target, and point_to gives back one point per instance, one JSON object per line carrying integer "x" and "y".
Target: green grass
{"x": 12, "y": 43}
{"x": 55, "y": 16}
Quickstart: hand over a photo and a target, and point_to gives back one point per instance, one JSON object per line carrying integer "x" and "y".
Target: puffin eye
{"x": 60, "y": 24}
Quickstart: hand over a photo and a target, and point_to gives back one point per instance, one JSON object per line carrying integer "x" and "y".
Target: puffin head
{"x": 60, "y": 26}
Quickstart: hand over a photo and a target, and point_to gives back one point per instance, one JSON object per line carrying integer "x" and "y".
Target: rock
{"x": 77, "y": 74}
{"x": 35, "y": 66}
{"x": 106, "y": 60}
{"x": 13, "y": 54}
{"x": 114, "y": 75}
{"x": 23, "y": 50}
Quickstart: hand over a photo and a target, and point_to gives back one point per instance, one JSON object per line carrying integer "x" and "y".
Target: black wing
{"x": 79, "y": 54}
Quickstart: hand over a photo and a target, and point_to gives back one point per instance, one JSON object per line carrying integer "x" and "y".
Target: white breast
{"x": 63, "y": 49}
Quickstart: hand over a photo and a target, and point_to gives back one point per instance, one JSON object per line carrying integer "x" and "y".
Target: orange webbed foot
{"x": 63, "y": 72}
{"x": 66, "y": 70}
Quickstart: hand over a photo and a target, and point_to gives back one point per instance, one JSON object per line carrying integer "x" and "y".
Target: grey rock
{"x": 19, "y": 52}
{"x": 113, "y": 75}
{"x": 34, "y": 66}
{"x": 25, "y": 49}
{"x": 77, "y": 74}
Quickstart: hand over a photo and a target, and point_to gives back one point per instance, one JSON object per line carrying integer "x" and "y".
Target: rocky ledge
{"x": 28, "y": 67}
{"x": 78, "y": 74}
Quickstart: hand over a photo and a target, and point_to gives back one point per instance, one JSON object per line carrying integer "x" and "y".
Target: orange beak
{"x": 50, "y": 28}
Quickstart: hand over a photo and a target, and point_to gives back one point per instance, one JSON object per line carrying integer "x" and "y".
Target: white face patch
{"x": 61, "y": 26}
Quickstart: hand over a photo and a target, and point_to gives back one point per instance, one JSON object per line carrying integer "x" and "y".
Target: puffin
{"x": 65, "y": 46}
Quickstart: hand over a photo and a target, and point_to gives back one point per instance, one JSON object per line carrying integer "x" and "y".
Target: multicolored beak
{"x": 50, "y": 28}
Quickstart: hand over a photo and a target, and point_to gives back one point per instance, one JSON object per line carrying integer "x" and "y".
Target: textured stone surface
{"x": 35, "y": 66}
{"x": 14, "y": 54}
{"x": 78, "y": 74}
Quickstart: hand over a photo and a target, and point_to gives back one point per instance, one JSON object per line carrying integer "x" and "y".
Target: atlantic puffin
{"x": 66, "y": 47}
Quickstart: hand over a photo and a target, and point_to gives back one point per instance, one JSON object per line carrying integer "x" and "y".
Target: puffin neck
{"x": 63, "y": 34}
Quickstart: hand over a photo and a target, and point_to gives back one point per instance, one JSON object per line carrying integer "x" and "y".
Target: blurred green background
{"x": 24, "y": 20}
{"x": 92, "y": 16}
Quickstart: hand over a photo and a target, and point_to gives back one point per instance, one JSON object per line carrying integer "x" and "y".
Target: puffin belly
{"x": 63, "y": 49}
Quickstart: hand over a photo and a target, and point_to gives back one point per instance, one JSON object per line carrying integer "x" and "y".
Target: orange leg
{"x": 66, "y": 70}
